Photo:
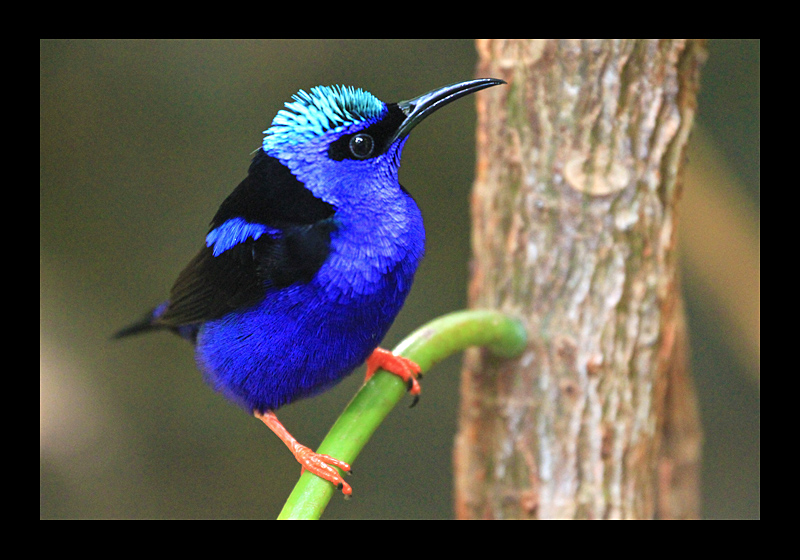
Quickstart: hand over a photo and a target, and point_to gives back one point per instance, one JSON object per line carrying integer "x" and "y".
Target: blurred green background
{"x": 140, "y": 141}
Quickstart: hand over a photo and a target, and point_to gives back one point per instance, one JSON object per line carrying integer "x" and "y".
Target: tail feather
{"x": 150, "y": 323}
{"x": 146, "y": 324}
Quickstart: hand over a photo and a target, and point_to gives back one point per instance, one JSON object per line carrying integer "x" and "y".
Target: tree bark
{"x": 574, "y": 216}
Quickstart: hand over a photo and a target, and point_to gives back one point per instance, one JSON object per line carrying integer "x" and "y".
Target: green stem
{"x": 503, "y": 335}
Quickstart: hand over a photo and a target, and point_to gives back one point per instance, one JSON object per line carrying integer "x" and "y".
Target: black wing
{"x": 210, "y": 287}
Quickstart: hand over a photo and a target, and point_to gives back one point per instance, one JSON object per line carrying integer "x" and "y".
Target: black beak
{"x": 420, "y": 107}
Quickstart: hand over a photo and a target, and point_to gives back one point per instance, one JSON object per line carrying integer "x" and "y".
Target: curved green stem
{"x": 503, "y": 335}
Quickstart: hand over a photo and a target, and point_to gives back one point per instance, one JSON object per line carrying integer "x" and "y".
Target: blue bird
{"x": 309, "y": 260}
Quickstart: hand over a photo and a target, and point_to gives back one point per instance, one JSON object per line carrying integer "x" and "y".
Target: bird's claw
{"x": 323, "y": 466}
{"x": 404, "y": 368}
{"x": 319, "y": 464}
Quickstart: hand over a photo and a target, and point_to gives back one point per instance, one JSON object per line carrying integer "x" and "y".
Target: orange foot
{"x": 402, "y": 367}
{"x": 317, "y": 463}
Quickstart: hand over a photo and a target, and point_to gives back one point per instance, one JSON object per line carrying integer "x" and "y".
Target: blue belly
{"x": 297, "y": 342}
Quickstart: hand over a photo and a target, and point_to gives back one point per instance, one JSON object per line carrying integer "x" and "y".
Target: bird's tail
{"x": 150, "y": 323}
{"x": 146, "y": 324}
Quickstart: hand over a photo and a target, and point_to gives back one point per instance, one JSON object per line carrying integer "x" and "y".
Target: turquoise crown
{"x": 325, "y": 108}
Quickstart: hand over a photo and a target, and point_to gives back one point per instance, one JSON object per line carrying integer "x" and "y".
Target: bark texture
{"x": 573, "y": 209}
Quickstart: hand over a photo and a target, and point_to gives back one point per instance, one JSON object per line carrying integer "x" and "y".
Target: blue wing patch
{"x": 235, "y": 231}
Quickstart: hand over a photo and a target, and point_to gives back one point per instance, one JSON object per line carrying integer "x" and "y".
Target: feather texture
{"x": 309, "y": 260}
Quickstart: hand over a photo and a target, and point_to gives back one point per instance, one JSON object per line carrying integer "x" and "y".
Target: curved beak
{"x": 420, "y": 107}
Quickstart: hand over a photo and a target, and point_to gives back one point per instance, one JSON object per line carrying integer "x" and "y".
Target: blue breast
{"x": 303, "y": 338}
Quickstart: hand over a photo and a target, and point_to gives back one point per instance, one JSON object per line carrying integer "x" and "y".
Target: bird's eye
{"x": 361, "y": 145}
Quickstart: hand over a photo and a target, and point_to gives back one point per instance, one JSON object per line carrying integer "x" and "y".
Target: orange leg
{"x": 320, "y": 465}
{"x": 402, "y": 367}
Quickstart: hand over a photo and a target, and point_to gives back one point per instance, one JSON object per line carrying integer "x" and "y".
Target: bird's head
{"x": 340, "y": 136}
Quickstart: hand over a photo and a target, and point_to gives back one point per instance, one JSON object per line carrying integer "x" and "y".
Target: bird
{"x": 309, "y": 260}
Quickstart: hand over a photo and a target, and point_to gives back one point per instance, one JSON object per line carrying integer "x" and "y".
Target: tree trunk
{"x": 573, "y": 209}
